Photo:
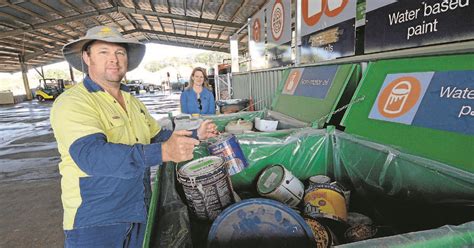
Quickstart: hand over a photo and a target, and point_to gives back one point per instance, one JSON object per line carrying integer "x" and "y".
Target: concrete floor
{"x": 30, "y": 205}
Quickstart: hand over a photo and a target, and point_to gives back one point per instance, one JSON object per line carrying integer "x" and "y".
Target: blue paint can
{"x": 260, "y": 223}
{"x": 227, "y": 147}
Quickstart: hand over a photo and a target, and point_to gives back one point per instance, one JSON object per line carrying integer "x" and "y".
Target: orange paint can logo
{"x": 399, "y": 97}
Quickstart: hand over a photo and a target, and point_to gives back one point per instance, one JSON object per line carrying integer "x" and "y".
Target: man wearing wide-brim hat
{"x": 108, "y": 141}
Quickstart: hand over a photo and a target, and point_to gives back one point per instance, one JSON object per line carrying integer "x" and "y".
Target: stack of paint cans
{"x": 207, "y": 186}
{"x": 206, "y": 181}
{"x": 278, "y": 183}
{"x": 227, "y": 147}
{"x": 325, "y": 204}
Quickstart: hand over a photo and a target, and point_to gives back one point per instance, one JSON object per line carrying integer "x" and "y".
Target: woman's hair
{"x": 206, "y": 79}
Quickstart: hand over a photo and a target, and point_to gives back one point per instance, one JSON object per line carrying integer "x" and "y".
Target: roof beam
{"x": 179, "y": 17}
{"x": 78, "y": 17}
{"x": 15, "y": 44}
{"x": 10, "y": 51}
{"x": 31, "y": 13}
{"x": 114, "y": 21}
{"x": 219, "y": 11}
{"x": 55, "y": 11}
{"x": 36, "y": 43}
{"x": 78, "y": 10}
{"x": 175, "y": 35}
{"x": 51, "y": 37}
{"x": 48, "y": 50}
{"x": 96, "y": 8}
{"x": 40, "y": 53}
{"x": 244, "y": 4}
{"x": 169, "y": 12}
{"x": 170, "y": 43}
{"x": 154, "y": 10}
{"x": 43, "y": 25}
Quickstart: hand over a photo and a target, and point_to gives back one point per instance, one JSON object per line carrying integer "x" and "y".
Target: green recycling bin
{"x": 411, "y": 195}
{"x": 305, "y": 97}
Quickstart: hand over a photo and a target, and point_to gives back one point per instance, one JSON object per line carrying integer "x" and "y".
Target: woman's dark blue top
{"x": 190, "y": 103}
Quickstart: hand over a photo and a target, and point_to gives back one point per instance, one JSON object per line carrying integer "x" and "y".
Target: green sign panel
{"x": 423, "y": 105}
{"x": 311, "y": 94}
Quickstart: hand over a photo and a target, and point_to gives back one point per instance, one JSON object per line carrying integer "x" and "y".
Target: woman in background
{"x": 197, "y": 98}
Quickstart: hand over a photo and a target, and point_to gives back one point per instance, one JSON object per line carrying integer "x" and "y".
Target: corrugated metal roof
{"x": 37, "y": 29}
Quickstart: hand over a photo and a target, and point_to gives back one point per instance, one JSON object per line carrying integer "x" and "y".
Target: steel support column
{"x": 234, "y": 52}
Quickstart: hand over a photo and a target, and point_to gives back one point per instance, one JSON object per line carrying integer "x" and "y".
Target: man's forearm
{"x": 97, "y": 157}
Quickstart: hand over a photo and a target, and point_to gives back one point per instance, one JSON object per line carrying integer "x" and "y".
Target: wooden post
{"x": 71, "y": 73}
{"x": 24, "y": 71}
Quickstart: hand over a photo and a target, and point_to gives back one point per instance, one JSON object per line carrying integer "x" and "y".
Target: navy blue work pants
{"x": 127, "y": 235}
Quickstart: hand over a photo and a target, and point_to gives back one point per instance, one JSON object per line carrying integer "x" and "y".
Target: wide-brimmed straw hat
{"x": 73, "y": 51}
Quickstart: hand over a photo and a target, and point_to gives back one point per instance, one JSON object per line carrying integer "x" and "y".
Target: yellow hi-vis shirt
{"x": 105, "y": 154}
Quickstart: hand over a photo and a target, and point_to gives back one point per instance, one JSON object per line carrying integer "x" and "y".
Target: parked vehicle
{"x": 137, "y": 85}
{"x": 49, "y": 89}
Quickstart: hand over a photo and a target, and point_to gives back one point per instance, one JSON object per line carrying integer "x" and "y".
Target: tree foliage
{"x": 154, "y": 66}
{"x": 211, "y": 59}
{"x": 56, "y": 73}
{"x": 61, "y": 74}
{"x": 207, "y": 58}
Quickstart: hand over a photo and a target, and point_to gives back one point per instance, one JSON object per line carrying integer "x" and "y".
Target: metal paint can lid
{"x": 360, "y": 232}
{"x": 201, "y": 166}
{"x": 320, "y": 179}
{"x": 220, "y": 139}
{"x": 260, "y": 222}
{"x": 270, "y": 179}
{"x": 322, "y": 235}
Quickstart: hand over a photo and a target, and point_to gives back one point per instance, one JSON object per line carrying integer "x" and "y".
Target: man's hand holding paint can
{"x": 179, "y": 147}
{"x": 207, "y": 130}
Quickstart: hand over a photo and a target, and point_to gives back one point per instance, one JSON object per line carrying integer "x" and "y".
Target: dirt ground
{"x": 31, "y": 212}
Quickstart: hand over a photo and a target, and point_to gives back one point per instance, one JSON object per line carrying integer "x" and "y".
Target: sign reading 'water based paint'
{"x": 395, "y": 24}
{"x": 310, "y": 82}
{"x": 437, "y": 100}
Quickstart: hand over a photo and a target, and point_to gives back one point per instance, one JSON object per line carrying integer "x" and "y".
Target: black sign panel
{"x": 412, "y": 23}
{"x": 330, "y": 43}
{"x": 278, "y": 56}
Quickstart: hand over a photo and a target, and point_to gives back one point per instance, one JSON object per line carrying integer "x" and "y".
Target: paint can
{"x": 260, "y": 222}
{"x": 319, "y": 179}
{"x": 279, "y": 184}
{"x": 360, "y": 232}
{"x": 227, "y": 147}
{"x": 345, "y": 191}
{"x": 321, "y": 233}
{"x": 354, "y": 219}
{"x": 325, "y": 201}
{"x": 207, "y": 186}
{"x": 238, "y": 126}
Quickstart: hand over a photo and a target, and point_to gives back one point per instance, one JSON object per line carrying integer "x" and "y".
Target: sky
{"x": 153, "y": 52}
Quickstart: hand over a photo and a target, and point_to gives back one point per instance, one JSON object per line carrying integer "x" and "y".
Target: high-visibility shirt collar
{"x": 92, "y": 86}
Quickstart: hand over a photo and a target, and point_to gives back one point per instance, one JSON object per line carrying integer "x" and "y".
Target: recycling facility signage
{"x": 392, "y": 24}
